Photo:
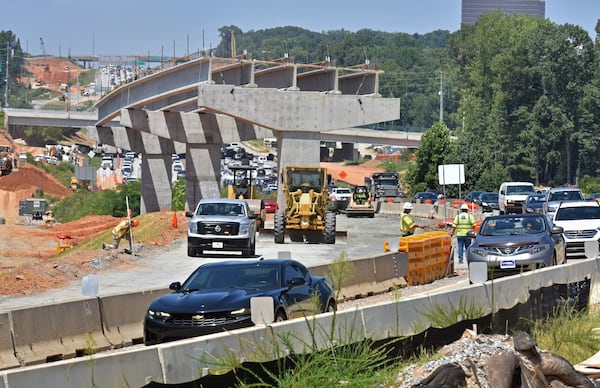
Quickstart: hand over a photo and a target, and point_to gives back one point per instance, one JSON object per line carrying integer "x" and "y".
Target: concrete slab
{"x": 7, "y": 352}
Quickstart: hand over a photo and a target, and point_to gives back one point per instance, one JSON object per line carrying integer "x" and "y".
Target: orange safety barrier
{"x": 428, "y": 256}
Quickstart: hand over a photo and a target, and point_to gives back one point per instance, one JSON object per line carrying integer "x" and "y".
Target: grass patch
{"x": 570, "y": 334}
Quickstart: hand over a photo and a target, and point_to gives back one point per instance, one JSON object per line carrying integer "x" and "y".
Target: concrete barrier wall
{"x": 133, "y": 368}
{"x": 183, "y": 361}
{"x": 57, "y": 330}
{"x": 7, "y": 352}
{"x": 123, "y": 316}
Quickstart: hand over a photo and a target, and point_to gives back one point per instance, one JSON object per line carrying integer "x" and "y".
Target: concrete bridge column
{"x": 156, "y": 183}
{"x": 202, "y": 173}
{"x": 296, "y": 149}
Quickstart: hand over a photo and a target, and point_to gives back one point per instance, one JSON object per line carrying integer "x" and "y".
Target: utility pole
{"x": 441, "y": 96}
{"x": 6, "y": 79}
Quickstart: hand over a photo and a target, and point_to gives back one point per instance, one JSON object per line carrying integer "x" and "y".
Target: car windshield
{"x": 536, "y": 198}
{"x": 249, "y": 276}
{"x": 220, "y": 209}
{"x": 517, "y": 225}
{"x": 577, "y": 213}
{"x": 489, "y": 197}
{"x": 566, "y": 196}
{"x": 522, "y": 189}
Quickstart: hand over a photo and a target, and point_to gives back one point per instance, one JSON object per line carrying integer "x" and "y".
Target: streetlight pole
{"x": 67, "y": 89}
{"x": 6, "y": 79}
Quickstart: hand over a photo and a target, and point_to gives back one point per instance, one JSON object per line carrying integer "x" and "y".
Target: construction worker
{"x": 463, "y": 223}
{"x": 122, "y": 230}
{"x": 407, "y": 222}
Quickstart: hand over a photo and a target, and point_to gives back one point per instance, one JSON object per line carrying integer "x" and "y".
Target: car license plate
{"x": 507, "y": 264}
{"x": 217, "y": 244}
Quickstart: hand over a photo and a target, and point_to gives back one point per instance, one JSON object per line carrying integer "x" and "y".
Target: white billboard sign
{"x": 451, "y": 174}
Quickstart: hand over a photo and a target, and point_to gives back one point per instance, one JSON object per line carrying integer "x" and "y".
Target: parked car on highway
{"x": 510, "y": 244}
{"x": 534, "y": 203}
{"x": 487, "y": 200}
{"x": 271, "y": 206}
{"x": 580, "y": 221}
{"x": 422, "y": 196}
{"x": 472, "y": 196}
{"x": 216, "y": 297}
{"x": 556, "y": 195}
{"x": 220, "y": 226}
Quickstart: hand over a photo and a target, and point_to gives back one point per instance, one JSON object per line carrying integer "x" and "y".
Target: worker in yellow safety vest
{"x": 463, "y": 223}
{"x": 122, "y": 230}
{"x": 407, "y": 222}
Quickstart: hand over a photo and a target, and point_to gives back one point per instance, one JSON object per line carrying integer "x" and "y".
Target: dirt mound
{"x": 50, "y": 72}
{"x": 23, "y": 183}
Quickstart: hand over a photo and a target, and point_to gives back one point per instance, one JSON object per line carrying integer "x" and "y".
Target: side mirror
{"x": 295, "y": 282}
{"x": 253, "y": 216}
{"x": 557, "y": 230}
{"x": 175, "y": 286}
{"x": 189, "y": 214}
{"x": 471, "y": 234}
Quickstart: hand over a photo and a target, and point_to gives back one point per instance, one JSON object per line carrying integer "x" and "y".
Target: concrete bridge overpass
{"x": 197, "y": 106}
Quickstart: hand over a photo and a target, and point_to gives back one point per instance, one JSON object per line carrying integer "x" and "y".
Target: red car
{"x": 271, "y": 206}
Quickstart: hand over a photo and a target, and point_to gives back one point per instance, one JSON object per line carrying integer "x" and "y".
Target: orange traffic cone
{"x": 174, "y": 222}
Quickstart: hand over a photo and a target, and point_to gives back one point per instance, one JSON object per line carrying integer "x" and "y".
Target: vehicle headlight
{"x": 242, "y": 311}
{"x": 479, "y": 252}
{"x": 484, "y": 204}
{"x": 244, "y": 229}
{"x": 193, "y": 227}
{"x": 159, "y": 314}
{"x": 540, "y": 248}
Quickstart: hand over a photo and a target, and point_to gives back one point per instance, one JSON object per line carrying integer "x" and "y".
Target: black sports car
{"x": 217, "y": 295}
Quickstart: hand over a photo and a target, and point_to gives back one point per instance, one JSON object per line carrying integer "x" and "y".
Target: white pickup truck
{"x": 340, "y": 197}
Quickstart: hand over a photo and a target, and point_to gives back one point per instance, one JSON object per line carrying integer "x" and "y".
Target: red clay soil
{"x": 50, "y": 72}
{"x": 352, "y": 174}
{"x": 28, "y": 260}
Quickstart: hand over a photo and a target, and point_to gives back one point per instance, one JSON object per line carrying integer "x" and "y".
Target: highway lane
{"x": 155, "y": 269}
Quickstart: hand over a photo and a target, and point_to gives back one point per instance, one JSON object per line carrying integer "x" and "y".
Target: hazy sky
{"x": 127, "y": 27}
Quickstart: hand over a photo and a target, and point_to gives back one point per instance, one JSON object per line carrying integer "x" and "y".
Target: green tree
{"x": 435, "y": 145}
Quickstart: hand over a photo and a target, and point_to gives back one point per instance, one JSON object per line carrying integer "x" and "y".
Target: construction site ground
{"x": 29, "y": 262}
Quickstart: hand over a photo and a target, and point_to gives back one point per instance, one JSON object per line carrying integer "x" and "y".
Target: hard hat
{"x": 407, "y": 206}
{"x": 464, "y": 207}
{"x": 135, "y": 223}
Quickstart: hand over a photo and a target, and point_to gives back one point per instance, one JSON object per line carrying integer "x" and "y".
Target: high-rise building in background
{"x": 473, "y": 9}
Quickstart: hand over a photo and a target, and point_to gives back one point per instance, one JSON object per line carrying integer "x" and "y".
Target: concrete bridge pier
{"x": 296, "y": 149}
{"x": 157, "y": 174}
{"x": 202, "y": 173}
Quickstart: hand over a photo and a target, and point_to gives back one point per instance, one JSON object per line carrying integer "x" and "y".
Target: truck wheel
{"x": 330, "y": 228}
{"x": 279, "y": 227}
{"x": 252, "y": 250}
{"x": 191, "y": 252}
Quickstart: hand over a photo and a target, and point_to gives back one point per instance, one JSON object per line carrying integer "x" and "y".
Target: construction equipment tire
{"x": 329, "y": 228}
{"x": 279, "y": 227}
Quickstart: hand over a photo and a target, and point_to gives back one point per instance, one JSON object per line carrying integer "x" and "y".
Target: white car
{"x": 580, "y": 221}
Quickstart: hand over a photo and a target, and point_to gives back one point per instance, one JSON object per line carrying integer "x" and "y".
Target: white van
{"x": 512, "y": 195}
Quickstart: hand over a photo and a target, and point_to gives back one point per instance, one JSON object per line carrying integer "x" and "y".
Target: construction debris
{"x": 495, "y": 361}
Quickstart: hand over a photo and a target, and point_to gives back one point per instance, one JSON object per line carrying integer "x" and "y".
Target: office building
{"x": 473, "y": 9}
